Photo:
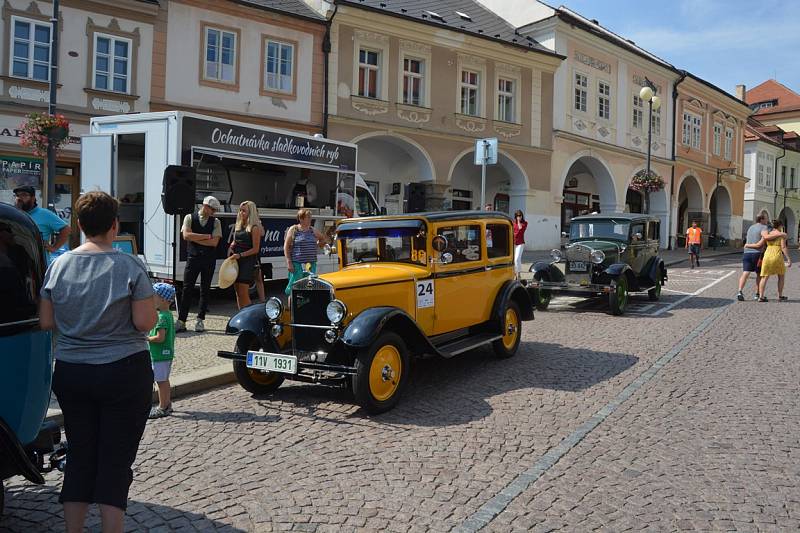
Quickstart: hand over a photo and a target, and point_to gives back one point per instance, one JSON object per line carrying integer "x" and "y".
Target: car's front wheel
{"x": 655, "y": 293}
{"x": 252, "y": 380}
{"x": 381, "y": 373}
{"x": 618, "y": 297}
{"x": 507, "y": 345}
{"x": 541, "y": 297}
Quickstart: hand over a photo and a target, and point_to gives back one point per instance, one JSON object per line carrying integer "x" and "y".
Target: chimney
{"x": 741, "y": 93}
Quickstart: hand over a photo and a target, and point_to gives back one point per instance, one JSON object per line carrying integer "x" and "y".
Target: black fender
{"x": 251, "y": 319}
{"x": 651, "y": 269}
{"x": 512, "y": 290}
{"x": 618, "y": 269}
{"x": 546, "y": 271}
{"x": 362, "y": 331}
{"x": 14, "y": 460}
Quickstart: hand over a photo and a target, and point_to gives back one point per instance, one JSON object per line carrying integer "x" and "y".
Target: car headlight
{"x": 598, "y": 257}
{"x": 556, "y": 255}
{"x": 336, "y": 311}
{"x": 273, "y": 308}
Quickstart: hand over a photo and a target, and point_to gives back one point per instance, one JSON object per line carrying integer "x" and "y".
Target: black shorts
{"x": 247, "y": 266}
{"x": 751, "y": 263}
{"x": 105, "y": 410}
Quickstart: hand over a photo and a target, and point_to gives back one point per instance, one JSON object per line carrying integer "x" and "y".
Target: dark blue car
{"x": 26, "y": 359}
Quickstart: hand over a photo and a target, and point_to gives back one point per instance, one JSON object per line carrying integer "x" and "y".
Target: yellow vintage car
{"x": 424, "y": 284}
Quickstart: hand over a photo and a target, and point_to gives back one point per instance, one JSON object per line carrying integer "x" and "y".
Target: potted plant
{"x": 646, "y": 183}
{"x": 40, "y": 130}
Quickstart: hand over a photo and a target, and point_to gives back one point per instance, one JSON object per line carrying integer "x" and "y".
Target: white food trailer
{"x": 126, "y": 155}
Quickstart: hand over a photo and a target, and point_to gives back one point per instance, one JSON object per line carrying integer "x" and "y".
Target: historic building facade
{"x": 709, "y": 179}
{"x": 415, "y": 88}
{"x": 104, "y": 57}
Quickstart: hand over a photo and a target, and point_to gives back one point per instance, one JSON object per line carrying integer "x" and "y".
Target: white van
{"x": 126, "y": 156}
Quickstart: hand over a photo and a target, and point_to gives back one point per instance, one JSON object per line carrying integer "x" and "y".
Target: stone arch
{"x": 507, "y": 178}
{"x": 658, "y": 204}
{"x": 720, "y": 208}
{"x": 790, "y": 220}
{"x": 387, "y": 157}
{"x": 691, "y": 203}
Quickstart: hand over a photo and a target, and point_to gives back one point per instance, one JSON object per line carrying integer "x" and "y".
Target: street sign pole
{"x": 483, "y": 172}
{"x": 48, "y": 193}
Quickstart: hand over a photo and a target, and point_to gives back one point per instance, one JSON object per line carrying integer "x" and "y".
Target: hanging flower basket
{"x": 644, "y": 182}
{"x": 41, "y": 130}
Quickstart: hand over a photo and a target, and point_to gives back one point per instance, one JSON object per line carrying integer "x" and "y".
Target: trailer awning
{"x": 225, "y": 154}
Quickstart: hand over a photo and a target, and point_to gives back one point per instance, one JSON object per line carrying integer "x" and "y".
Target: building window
{"x": 760, "y": 162}
{"x": 505, "y": 100}
{"x": 604, "y": 100}
{"x": 769, "y": 170}
{"x": 470, "y": 87}
{"x": 581, "y": 83}
{"x": 717, "y": 138}
{"x": 112, "y": 63}
{"x": 413, "y": 81}
{"x": 638, "y": 112}
{"x": 783, "y": 176}
{"x": 279, "y": 66}
{"x": 368, "y": 71}
{"x": 792, "y": 178}
{"x": 729, "y": 144}
{"x": 220, "y": 62}
{"x": 691, "y": 130}
{"x": 30, "y": 49}
{"x": 655, "y": 121}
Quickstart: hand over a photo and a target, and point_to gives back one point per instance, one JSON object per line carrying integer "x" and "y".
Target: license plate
{"x": 285, "y": 364}
{"x": 577, "y": 266}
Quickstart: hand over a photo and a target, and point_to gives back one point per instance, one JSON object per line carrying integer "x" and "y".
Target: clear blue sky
{"x": 724, "y": 42}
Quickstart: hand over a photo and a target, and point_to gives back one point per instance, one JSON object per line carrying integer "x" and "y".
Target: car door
{"x": 460, "y": 286}
{"x": 638, "y": 246}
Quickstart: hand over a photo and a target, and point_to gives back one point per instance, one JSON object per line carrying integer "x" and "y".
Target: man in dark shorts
{"x": 751, "y": 258}
{"x": 694, "y": 241}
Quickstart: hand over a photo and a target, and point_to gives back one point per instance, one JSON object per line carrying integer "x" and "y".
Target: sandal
{"x": 158, "y": 412}
{"x": 763, "y": 299}
{"x": 783, "y": 298}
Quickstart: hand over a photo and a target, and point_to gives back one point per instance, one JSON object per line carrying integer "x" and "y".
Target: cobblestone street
{"x": 679, "y": 415}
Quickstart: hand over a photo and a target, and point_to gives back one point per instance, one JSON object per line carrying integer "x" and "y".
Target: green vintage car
{"x": 608, "y": 255}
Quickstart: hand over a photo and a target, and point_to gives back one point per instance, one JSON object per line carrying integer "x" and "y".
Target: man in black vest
{"x": 202, "y": 232}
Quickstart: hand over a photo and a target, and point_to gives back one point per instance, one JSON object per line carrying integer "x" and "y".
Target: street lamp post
{"x": 50, "y": 188}
{"x": 648, "y": 94}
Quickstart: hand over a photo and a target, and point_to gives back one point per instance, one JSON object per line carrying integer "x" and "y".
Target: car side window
{"x": 637, "y": 228}
{"x": 498, "y": 240}
{"x": 653, "y": 231}
{"x": 463, "y": 242}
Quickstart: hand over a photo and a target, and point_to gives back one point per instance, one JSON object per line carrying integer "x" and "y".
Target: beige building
{"x": 105, "y": 54}
{"x": 415, "y": 88}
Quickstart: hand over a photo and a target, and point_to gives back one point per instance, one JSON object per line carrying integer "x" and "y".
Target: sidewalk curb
{"x": 182, "y": 385}
{"x": 711, "y": 254}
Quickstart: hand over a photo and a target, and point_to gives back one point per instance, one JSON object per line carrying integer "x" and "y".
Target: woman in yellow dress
{"x": 772, "y": 264}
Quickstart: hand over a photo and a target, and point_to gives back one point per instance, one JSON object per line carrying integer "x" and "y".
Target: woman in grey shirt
{"x": 101, "y": 303}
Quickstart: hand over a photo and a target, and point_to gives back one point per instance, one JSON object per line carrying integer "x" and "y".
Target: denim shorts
{"x": 750, "y": 262}
{"x": 694, "y": 249}
{"x": 161, "y": 370}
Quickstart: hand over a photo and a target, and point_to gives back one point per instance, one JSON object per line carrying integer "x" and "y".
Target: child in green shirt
{"x": 162, "y": 348}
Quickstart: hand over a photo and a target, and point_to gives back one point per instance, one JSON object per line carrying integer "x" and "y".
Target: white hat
{"x": 211, "y": 202}
{"x": 228, "y": 272}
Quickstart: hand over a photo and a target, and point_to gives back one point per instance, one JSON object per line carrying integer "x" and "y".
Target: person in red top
{"x": 694, "y": 241}
{"x": 520, "y": 225}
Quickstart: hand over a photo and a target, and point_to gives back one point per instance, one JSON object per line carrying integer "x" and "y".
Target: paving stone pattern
{"x": 709, "y": 442}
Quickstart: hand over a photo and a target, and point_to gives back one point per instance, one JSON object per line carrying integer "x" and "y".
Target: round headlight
{"x": 273, "y": 308}
{"x": 556, "y": 255}
{"x": 598, "y": 257}
{"x": 336, "y": 311}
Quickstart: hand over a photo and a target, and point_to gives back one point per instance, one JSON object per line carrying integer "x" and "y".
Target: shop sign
{"x": 198, "y": 133}
{"x": 16, "y": 172}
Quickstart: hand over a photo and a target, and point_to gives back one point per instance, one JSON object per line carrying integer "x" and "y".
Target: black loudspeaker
{"x": 178, "y": 190}
{"x": 416, "y": 197}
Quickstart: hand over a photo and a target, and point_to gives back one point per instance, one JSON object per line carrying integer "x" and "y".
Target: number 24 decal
{"x": 425, "y": 293}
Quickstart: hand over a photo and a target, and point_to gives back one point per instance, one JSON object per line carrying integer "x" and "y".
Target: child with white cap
{"x": 162, "y": 348}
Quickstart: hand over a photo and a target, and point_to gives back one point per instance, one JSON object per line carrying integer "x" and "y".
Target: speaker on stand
{"x": 416, "y": 197}
{"x": 178, "y": 190}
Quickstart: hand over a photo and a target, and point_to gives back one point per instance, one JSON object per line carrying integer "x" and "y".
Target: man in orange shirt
{"x": 694, "y": 240}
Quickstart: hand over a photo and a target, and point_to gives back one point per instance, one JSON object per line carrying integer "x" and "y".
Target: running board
{"x": 454, "y": 348}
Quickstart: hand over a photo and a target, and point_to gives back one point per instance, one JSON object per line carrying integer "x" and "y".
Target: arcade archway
{"x": 588, "y": 187}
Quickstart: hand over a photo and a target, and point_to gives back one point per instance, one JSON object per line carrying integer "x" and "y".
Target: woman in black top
{"x": 245, "y": 248}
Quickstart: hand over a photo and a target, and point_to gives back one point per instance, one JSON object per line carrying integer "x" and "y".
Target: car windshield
{"x": 599, "y": 229}
{"x": 384, "y": 245}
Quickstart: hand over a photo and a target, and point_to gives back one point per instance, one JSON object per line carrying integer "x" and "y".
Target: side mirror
{"x": 439, "y": 243}
{"x": 637, "y": 236}
{"x": 327, "y": 249}
{"x": 447, "y": 258}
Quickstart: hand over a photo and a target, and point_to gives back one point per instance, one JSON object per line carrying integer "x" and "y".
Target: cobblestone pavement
{"x": 570, "y": 434}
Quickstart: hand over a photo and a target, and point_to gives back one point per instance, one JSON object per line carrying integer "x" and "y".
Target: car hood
{"x": 374, "y": 274}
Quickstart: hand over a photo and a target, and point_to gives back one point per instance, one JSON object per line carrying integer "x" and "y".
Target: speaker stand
{"x": 176, "y": 220}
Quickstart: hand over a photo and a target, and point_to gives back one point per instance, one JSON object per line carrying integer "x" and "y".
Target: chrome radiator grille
{"x": 310, "y": 298}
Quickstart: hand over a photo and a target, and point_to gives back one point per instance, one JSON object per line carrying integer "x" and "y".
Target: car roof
{"x": 434, "y": 216}
{"x": 616, "y": 216}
